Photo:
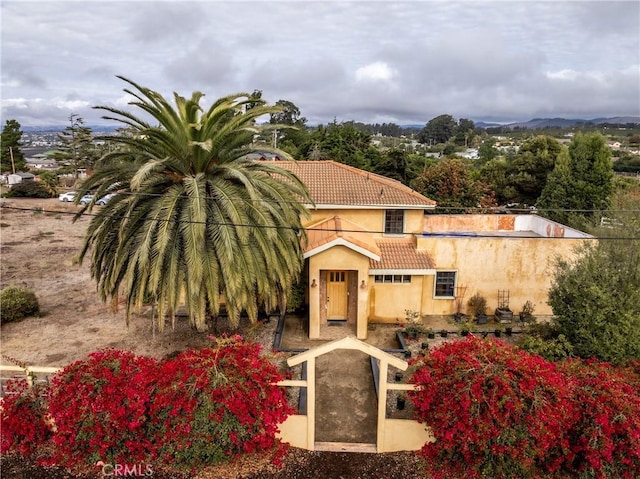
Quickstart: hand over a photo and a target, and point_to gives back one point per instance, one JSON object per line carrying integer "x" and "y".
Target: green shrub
{"x": 17, "y": 303}
{"x": 29, "y": 189}
{"x": 545, "y": 339}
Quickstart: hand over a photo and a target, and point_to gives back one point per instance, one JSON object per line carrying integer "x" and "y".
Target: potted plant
{"x": 478, "y": 307}
{"x": 413, "y": 323}
{"x": 465, "y": 329}
{"x": 431, "y": 333}
{"x": 526, "y": 314}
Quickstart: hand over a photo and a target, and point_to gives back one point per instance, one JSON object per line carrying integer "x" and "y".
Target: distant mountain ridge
{"x": 537, "y": 123}
{"x": 533, "y": 124}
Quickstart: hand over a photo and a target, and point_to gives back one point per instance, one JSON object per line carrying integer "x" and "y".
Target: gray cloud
{"x": 364, "y": 60}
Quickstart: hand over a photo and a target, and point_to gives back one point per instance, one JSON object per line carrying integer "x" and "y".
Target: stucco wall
{"x": 370, "y": 220}
{"x": 523, "y": 266}
{"x": 388, "y": 301}
{"x": 460, "y": 223}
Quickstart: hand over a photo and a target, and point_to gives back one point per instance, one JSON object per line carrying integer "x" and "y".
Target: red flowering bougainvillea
{"x": 100, "y": 407}
{"x": 495, "y": 411}
{"x": 24, "y": 422}
{"x": 214, "y": 403}
{"x": 605, "y": 441}
{"x": 202, "y": 407}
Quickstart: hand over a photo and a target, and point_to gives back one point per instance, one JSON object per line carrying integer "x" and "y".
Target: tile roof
{"x": 401, "y": 253}
{"x": 335, "y": 228}
{"x": 332, "y": 183}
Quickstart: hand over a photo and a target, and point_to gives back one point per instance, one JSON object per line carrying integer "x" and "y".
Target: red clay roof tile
{"x": 332, "y": 183}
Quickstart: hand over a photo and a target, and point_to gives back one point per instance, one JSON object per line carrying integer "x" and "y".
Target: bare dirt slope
{"x": 40, "y": 250}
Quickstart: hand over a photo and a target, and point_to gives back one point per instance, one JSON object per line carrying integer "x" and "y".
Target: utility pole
{"x": 74, "y": 124}
{"x": 13, "y": 165}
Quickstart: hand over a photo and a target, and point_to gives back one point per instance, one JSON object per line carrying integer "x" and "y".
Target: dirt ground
{"x": 39, "y": 249}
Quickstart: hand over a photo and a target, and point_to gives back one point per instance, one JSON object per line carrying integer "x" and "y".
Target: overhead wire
{"x": 499, "y": 209}
{"x": 458, "y": 234}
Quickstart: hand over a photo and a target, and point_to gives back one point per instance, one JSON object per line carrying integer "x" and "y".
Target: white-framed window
{"x": 445, "y": 284}
{"x": 394, "y": 222}
{"x": 393, "y": 278}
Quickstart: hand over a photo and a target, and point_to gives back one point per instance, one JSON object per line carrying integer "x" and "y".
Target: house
{"x": 41, "y": 162}
{"x": 375, "y": 249}
{"x": 19, "y": 177}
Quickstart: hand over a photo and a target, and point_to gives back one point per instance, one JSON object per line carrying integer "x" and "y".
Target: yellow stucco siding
{"x": 388, "y": 301}
{"x": 523, "y": 266}
{"x": 370, "y": 220}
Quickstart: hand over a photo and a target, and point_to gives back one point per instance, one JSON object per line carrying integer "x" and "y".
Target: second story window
{"x": 394, "y": 222}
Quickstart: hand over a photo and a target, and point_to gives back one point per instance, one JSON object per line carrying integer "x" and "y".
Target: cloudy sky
{"x": 372, "y": 61}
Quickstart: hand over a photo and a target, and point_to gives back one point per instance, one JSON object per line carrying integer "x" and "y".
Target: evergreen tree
{"x": 11, "y": 148}
{"x": 596, "y": 299}
{"x": 585, "y": 187}
{"x": 76, "y": 145}
{"x": 438, "y": 130}
{"x": 530, "y": 166}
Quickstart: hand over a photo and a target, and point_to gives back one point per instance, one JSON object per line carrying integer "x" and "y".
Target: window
{"x": 445, "y": 284}
{"x": 393, "y": 278}
{"x": 394, "y": 222}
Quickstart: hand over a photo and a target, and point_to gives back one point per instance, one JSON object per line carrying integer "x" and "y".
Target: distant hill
{"x": 56, "y": 129}
{"x": 538, "y": 123}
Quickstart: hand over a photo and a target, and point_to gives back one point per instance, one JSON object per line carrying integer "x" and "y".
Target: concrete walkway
{"x": 346, "y": 405}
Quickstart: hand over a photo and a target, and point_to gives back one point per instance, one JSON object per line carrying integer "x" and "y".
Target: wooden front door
{"x": 336, "y": 295}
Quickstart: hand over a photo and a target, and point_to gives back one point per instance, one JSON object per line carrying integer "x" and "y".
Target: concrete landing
{"x": 345, "y": 447}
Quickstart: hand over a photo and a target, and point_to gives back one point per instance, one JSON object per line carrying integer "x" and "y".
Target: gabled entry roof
{"x": 338, "y": 231}
{"x": 348, "y": 343}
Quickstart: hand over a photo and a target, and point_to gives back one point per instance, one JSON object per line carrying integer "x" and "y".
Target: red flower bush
{"x": 202, "y": 407}
{"x": 100, "y": 408}
{"x": 605, "y": 440}
{"x": 495, "y": 411}
{"x": 24, "y": 421}
{"x": 214, "y": 403}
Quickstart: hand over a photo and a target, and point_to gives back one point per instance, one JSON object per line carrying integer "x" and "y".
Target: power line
{"x": 494, "y": 209}
{"x": 459, "y": 234}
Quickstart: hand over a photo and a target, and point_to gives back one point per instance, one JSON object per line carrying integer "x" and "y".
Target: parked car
{"x": 105, "y": 199}
{"x": 86, "y": 199}
{"x": 68, "y": 196}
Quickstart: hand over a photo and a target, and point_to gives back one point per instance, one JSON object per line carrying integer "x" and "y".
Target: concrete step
{"x": 345, "y": 447}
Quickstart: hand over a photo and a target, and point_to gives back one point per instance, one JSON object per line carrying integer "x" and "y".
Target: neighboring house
{"x": 41, "y": 162}
{"x": 19, "y": 177}
{"x": 375, "y": 249}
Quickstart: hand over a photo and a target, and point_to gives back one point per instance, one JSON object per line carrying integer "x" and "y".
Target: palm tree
{"x": 193, "y": 219}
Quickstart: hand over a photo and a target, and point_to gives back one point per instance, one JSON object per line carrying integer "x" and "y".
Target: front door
{"x": 337, "y": 295}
